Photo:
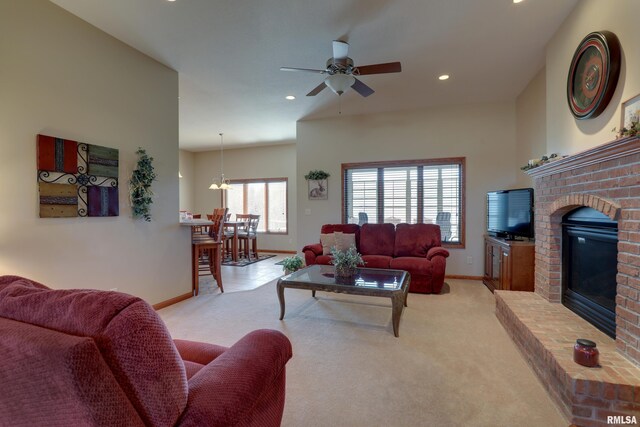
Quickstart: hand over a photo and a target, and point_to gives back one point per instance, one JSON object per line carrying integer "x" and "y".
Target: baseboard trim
{"x": 276, "y": 251}
{"x": 172, "y": 301}
{"x": 458, "y": 276}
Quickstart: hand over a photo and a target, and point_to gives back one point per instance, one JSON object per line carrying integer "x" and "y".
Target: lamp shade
{"x": 223, "y": 186}
{"x": 339, "y": 82}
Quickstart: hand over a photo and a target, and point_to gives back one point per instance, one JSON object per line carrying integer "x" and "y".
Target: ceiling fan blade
{"x": 317, "y": 89}
{"x": 389, "y": 67}
{"x": 362, "y": 88}
{"x": 340, "y": 49}
{"x": 309, "y": 70}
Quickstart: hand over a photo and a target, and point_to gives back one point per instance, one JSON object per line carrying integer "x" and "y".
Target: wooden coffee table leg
{"x": 313, "y": 293}
{"x": 281, "y": 299}
{"x": 397, "y": 304}
{"x": 406, "y": 291}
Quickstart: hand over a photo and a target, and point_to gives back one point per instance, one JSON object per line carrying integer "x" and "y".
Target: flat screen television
{"x": 510, "y": 213}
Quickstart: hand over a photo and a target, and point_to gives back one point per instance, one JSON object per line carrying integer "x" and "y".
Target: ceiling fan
{"x": 341, "y": 72}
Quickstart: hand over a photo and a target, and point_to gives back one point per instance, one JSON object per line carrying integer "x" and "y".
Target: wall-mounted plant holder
{"x": 317, "y": 184}
{"x": 140, "y": 186}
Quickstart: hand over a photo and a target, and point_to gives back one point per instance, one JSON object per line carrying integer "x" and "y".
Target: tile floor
{"x": 236, "y": 279}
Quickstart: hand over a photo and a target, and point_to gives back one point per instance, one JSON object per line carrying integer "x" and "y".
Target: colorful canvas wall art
{"x": 102, "y": 201}
{"x": 103, "y": 161}
{"x": 58, "y": 200}
{"x": 57, "y": 154}
{"x": 76, "y": 179}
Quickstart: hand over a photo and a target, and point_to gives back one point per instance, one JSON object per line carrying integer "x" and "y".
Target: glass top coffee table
{"x": 375, "y": 282}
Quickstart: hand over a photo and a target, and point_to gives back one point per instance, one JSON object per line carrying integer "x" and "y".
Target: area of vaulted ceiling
{"x": 228, "y": 55}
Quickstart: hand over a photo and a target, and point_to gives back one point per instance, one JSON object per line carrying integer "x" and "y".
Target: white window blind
{"x": 400, "y": 195}
{"x": 362, "y": 195}
{"x": 426, "y": 191}
{"x": 442, "y": 199}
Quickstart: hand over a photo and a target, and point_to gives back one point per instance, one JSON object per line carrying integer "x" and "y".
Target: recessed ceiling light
{"x": 290, "y": 97}
{"x": 444, "y": 77}
{"x": 518, "y": 1}
{"x": 171, "y": 0}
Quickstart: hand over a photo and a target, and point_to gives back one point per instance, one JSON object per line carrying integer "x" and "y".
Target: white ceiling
{"x": 228, "y": 55}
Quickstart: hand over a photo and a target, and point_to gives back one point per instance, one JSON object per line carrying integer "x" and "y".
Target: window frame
{"x": 460, "y": 161}
{"x": 265, "y": 181}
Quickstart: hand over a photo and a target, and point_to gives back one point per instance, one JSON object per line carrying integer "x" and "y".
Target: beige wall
{"x": 566, "y": 135}
{"x": 276, "y": 161}
{"x": 484, "y": 134}
{"x": 531, "y": 125}
{"x": 62, "y": 77}
{"x": 187, "y": 187}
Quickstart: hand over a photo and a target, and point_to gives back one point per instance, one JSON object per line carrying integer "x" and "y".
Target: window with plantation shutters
{"x": 417, "y": 191}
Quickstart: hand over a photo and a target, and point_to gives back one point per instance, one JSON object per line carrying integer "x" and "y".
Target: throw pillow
{"x": 328, "y": 241}
{"x": 344, "y": 240}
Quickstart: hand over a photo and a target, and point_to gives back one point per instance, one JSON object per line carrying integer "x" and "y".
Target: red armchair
{"x": 415, "y": 248}
{"x": 86, "y": 357}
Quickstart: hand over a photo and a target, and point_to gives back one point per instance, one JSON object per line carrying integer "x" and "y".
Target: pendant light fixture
{"x": 223, "y": 184}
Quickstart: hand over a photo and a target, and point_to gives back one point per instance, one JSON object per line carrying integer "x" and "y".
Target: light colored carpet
{"x": 453, "y": 364}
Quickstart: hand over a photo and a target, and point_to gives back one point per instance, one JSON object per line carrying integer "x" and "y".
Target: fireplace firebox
{"x": 589, "y": 267}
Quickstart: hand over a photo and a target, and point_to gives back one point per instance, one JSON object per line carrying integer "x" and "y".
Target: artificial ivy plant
{"x": 317, "y": 175}
{"x": 140, "y": 186}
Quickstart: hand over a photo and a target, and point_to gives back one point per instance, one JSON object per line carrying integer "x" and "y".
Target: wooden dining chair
{"x": 211, "y": 244}
{"x": 248, "y": 237}
{"x": 243, "y": 218}
{"x": 231, "y": 232}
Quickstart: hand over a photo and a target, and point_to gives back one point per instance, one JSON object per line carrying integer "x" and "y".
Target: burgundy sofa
{"x": 97, "y": 358}
{"x": 415, "y": 248}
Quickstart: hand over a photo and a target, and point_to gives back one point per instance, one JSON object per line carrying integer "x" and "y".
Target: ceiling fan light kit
{"x": 339, "y": 82}
{"x": 341, "y": 72}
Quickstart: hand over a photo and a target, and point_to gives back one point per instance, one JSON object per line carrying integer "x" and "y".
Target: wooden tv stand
{"x": 508, "y": 264}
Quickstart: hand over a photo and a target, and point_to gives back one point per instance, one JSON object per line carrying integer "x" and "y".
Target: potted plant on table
{"x": 291, "y": 264}
{"x": 346, "y": 264}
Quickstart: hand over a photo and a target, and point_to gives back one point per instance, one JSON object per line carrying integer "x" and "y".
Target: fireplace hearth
{"x": 589, "y": 267}
{"x": 607, "y": 179}
{"x": 602, "y": 274}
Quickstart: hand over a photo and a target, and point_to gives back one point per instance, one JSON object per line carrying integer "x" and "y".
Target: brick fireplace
{"x": 607, "y": 179}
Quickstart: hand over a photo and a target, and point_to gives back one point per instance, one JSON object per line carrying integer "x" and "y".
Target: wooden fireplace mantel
{"x": 611, "y": 150}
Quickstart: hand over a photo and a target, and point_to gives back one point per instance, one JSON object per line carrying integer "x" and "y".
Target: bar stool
{"x": 211, "y": 244}
{"x": 233, "y": 233}
{"x": 250, "y": 234}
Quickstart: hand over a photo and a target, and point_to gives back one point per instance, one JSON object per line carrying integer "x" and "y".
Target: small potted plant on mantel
{"x": 291, "y": 264}
{"x": 346, "y": 264}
